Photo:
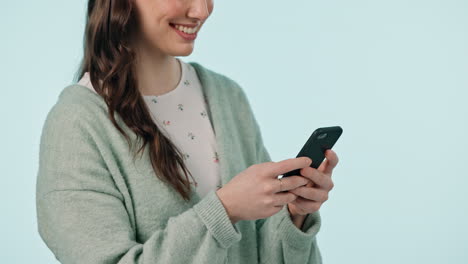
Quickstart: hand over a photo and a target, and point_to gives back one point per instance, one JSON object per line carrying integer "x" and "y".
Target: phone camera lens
{"x": 322, "y": 136}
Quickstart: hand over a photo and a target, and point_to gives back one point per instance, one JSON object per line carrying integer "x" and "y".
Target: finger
{"x": 298, "y": 208}
{"x": 318, "y": 177}
{"x": 287, "y": 165}
{"x": 323, "y": 165}
{"x": 283, "y": 198}
{"x": 313, "y": 194}
{"x": 332, "y": 161}
{"x": 306, "y": 205}
{"x": 291, "y": 182}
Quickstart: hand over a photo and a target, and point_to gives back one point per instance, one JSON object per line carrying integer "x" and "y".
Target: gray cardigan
{"x": 95, "y": 205}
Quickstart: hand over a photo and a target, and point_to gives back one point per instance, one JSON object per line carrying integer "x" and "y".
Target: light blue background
{"x": 393, "y": 74}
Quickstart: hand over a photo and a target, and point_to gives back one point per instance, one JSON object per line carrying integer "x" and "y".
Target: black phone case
{"x": 316, "y": 146}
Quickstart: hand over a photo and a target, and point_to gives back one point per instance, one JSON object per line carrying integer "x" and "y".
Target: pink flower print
{"x": 181, "y": 107}
{"x": 186, "y": 82}
{"x": 154, "y": 100}
{"x": 203, "y": 114}
{"x": 216, "y": 159}
{"x": 191, "y": 135}
{"x": 166, "y": 123}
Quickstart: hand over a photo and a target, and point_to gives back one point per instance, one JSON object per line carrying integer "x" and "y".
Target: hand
{"x": 255, "y": 192}
{"x": 315, "y": 193}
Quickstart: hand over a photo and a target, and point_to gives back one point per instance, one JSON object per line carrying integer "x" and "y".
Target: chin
{"x": 183, "y": 51}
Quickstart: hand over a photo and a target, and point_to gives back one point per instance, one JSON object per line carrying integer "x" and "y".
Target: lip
{"x": 184, "y": 35}
{"x": 185, "y": 25}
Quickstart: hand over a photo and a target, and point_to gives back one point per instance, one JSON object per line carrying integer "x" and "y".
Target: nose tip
{"x": 200, "y": 10}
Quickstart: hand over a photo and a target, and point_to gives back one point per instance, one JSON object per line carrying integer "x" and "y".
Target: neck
{"x": 157, "y": 73}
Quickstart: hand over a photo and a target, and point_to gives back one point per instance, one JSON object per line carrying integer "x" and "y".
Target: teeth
{"x": 186, "y": 29}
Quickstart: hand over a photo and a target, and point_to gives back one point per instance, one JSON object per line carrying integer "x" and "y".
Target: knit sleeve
{"x": 279, "y": 240}
{"x": 82, "y": 216}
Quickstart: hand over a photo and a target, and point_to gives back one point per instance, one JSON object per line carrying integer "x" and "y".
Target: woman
{"x": 98, "y": 201}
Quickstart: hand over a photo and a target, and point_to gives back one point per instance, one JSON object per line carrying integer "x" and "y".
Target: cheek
{"x": 152, "y": 13}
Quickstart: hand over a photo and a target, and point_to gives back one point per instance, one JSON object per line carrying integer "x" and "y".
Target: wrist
{"x": 234, "y": 219}
{"x": 297, "y": 219}
{"x": 291, "y": 211}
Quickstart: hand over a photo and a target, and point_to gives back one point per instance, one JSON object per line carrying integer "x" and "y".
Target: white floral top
{"x": 181, "y": 115}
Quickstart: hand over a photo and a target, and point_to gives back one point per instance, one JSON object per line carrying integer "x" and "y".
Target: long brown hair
{"x": 110, "y": 61}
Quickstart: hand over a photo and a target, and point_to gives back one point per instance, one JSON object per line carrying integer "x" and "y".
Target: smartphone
{"x": 322, "y": 139}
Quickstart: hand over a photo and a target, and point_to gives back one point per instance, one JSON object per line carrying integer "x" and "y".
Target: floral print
{"x": 183, "y": 113}
{"x": 191, "y": 135}
{"x": 203, "y": 114}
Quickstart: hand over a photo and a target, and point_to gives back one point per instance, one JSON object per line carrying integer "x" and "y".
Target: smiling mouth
{"x": 184, "y": 29}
